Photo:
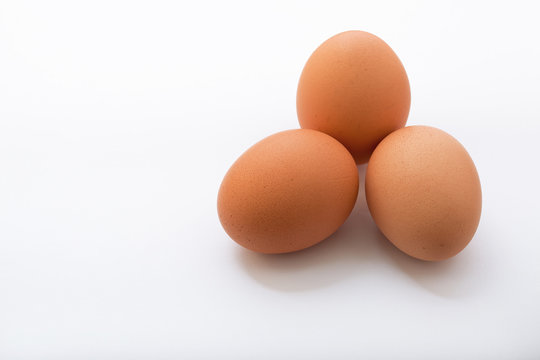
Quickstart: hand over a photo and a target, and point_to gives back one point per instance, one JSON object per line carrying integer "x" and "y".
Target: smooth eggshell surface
{"x": 354, "y": 88}
{"x": 424, "y": 193}
{"x": 289, "y": 191}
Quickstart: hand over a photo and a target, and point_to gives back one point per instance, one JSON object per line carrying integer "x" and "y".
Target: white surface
{"x": 118, "y": 120}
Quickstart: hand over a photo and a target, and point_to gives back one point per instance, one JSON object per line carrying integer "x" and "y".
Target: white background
{"x": 118, "y": 120}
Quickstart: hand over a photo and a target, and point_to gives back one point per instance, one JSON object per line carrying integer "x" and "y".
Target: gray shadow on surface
{"x": 354, "y": 249}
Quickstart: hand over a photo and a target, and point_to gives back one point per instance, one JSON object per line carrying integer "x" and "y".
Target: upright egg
{"x": 354, "y": 88}
{"x": 423, "y": 191}
{"x": 289, "y": 191}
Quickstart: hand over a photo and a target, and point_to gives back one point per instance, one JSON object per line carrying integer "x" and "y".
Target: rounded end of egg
{"x": 288, "y": 192}
{"x": 354, "y": 88}
{"x": 424, "y": 193}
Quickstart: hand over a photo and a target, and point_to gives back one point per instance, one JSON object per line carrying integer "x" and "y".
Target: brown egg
{"x": 354, "y": 88}
{"x": 289, "y": 191}
{"x": 423, "y": 192}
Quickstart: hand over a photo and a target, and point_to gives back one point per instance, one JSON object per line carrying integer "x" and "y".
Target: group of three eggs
{"x": 295, "y": 188}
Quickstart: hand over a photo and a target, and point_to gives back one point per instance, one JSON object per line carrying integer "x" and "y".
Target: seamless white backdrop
{"x": 118, "y": 120}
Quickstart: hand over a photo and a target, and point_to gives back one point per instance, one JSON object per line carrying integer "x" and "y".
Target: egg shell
{"x": 289, "y": 191}
{"x": 354, "y": 88}
{"x": 424, "y": 193}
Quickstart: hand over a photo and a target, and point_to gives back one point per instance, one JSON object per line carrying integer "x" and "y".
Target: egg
{"x": 288, "y": 192}
{"x": 354, "y": 88}
{"x": 423, "y": 191}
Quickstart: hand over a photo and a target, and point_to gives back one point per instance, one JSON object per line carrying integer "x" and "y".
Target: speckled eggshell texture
{"x": 424, "y": 193}
{"x": 289, "y": 191}
{"x": 354, "y": 88}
